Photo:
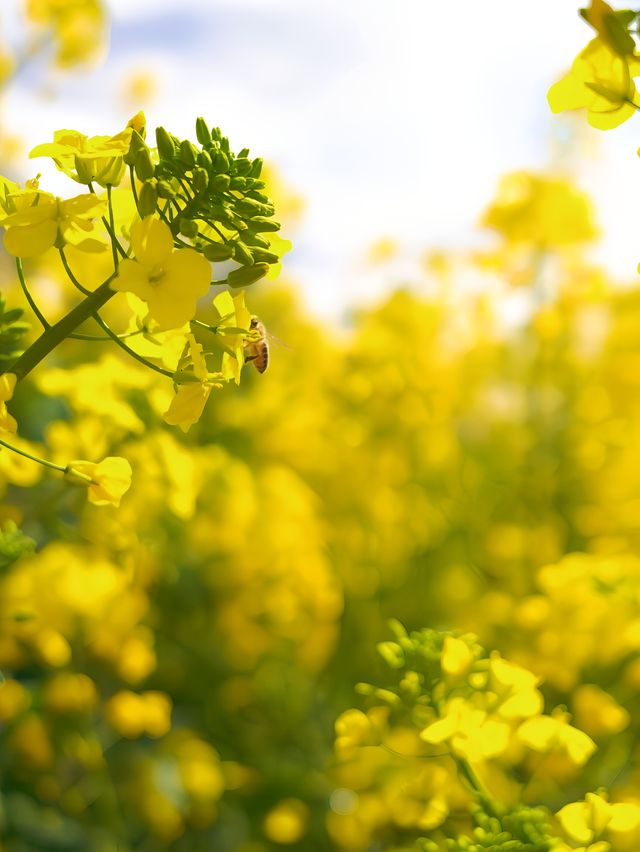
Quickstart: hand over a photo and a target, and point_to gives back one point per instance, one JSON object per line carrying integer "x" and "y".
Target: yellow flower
{"x": 548, "y": 733}
{"x": 287, "y": 822}
{"x": 132, "y": 714}
{"x": 585, "y": 821}
{"x": 107, "y": 481}
{"x": 169, "y": 281}
{"x": 32, "y": 230}
{"x": 78, "y": 27}
{"x": 7, "y": 386}
{"x": 86, "y": 159}
{"x": 471, "y": 733}
{"x": 191, "y": 397}
{"x": 601, "y": 81}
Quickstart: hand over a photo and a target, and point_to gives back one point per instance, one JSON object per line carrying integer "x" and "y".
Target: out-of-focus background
{"x": 457, "y": 413}
{"x": 394, "y": 123}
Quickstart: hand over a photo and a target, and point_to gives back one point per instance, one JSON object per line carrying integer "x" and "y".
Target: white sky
{"x": 391, "y": 117}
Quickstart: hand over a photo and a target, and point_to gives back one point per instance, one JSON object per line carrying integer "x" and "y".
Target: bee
{"x": 256, "y": 348}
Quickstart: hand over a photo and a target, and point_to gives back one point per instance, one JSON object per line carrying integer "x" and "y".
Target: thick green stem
{"x": 55, "y": 334}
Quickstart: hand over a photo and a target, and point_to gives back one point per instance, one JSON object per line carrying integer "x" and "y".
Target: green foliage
{"x": 12, "y": 331}
{"x": 13, "y": 544}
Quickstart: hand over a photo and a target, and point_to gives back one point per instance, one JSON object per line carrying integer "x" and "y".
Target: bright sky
{"x": 392, "y": 118}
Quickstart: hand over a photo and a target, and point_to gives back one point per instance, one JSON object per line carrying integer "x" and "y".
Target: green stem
{"x": 55, "y": 334}
{"x": 112, "y": 223}
{"x": 36, "y": 459}
{"x": 134, "y": 191}
{"x": 84, "y": 290}
{"x": 112, "y": 234}
{"x": 28, "y": 295}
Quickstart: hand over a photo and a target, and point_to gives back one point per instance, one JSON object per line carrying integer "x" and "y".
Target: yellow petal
{"x": 31, "y": 240}
{"x": 152, "y": 241}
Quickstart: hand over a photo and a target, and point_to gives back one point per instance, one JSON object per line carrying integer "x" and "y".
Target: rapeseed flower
{"x": 170, "y": 282}
{"x": 191, "y": 397}
{"x": 87, "y": 159}
{"x": 31, "y": 230}
{"x": 7, "y": 386}
{"x": 107, "y": 481}
{"x": 601, "y": 81}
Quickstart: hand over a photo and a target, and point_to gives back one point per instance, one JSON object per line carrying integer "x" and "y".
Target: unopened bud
{"x": 247, "y": 275}
{"x": 147, "y": 200}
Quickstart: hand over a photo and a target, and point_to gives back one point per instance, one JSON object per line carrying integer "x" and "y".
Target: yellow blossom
{"x": 34, "y": 229}
{"x": 585, "y": 821}
{"x": 109, "y": 479}
{"x": 472, "y": 733}
{"x": 132, "y": 714}
{"x": 169, "y": 281}
{"x": 88, "y": 159}
{"x": 7, "y": 386}
{"x": 287, "y": 821}
{"x": 77, "y": 26}
{"x": 548, "y": 733}
{"x": 188, "y": 403}
{"x": 601, "y": 81}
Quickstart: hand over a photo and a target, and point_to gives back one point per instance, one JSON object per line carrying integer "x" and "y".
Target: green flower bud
{"x": 188, "y": 152}
{"x": 247, "y": 275}
{"x": 238, "y": 183}
{"x": 224, "y": 144}
{"x": 85, "y": 169}
{"x": 217, "y": 251}
{"x": 165, "y": 189}
{"x": 220, "y": 162}
{"x": 148, "y": 199}
{"x": 242, "y": 166}
{"x": 251, "y": 239}
{"x": 256, "y": 167}
{"x": 262, "y": 256}
{"x": 242, "y": 254}
{"x": 220, "y": 183}
{"x": 203, "y": 134}
{"x": 260, "y": 224}
{"x": 143, "y": 165}
{"x": 204, "y": 160}
{"x": 137, "y": 144}
{"x": 258, "y": 196}
{"x": 244, "y": 153}
{"x": 188, "y": 228}
{"x": 216, "y": 134}
{"x": 166, "y": 147}
{"x": 112, "y": 173}
{"x": 251, "y": 207}
{"x": 200, "y": 179}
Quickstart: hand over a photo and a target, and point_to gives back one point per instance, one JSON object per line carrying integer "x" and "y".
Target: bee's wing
{"x": 279, "y": 342}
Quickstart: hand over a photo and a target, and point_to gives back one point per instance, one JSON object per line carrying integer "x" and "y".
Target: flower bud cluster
{"x": 210, "y": 196}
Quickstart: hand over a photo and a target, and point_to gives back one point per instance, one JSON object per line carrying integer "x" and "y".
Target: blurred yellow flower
{"x": 597, "y": 713}
{"x": 132, "y": 714}
{"x": 170, "y": 282}
{"x": 548, "y": 733}
{"x": 471, "y": 733}
{"x": 287, "y": 821}
{"x": 78, "y": 27}
{"x": 457, "y": 657}
{"x": 109, "y": 479}
{"x": 541, "y": 211}
{"x": 70, "y": 693}
{"x": 7, "y": 387}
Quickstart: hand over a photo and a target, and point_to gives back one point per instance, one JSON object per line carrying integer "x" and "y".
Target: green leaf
{"x": 13, "y": 544}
